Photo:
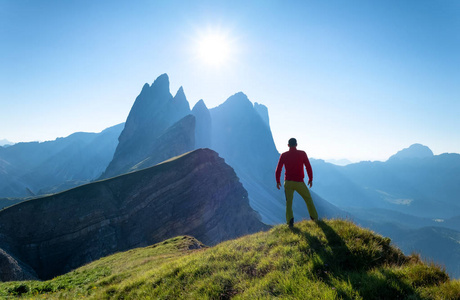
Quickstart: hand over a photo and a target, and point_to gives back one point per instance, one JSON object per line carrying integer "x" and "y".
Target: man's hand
{"x": 278, "y": 185}
{"x": 310, "y": 183}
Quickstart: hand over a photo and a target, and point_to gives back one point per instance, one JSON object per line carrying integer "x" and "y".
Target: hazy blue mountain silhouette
{"x": 238, "y": 130}
{"x": 241, "y": 135}
{"x": 203, "y": 125}
{"x": 413, "y": 197}
{"x": 176, "y": 140}
{"x": 414, "y": 151}
{"x": 242, "y": 138}
{"x": 422, "y": 186}
{"x": 339, "y": 162}
{"x": 36, "y": 168}
{"x": 5, "y": 142}
{"x": 153, "y": 112}
{"x": 433, "y": 243}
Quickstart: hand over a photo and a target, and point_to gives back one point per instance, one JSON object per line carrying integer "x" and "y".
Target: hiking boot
{"x": 291, "y": 223}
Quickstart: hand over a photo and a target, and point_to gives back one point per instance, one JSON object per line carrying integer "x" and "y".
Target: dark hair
{"x": 292, "y": 142}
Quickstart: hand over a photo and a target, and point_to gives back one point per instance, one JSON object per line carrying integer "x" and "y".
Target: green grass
{"x": 326, "y": 260}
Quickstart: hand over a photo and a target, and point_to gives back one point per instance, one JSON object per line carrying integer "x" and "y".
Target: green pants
{"x": 301, "y": 188}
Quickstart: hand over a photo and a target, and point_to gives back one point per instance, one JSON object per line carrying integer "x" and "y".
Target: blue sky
{"x": 349, "y": 79}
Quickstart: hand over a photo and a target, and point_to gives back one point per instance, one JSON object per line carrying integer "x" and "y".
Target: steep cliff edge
{"x": 195, "y": 194}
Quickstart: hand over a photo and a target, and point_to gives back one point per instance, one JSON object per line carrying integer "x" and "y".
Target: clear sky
{"x": 349, "y": 79}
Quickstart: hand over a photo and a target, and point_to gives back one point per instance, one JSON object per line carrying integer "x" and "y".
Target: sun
{"x": 215, "y": 48}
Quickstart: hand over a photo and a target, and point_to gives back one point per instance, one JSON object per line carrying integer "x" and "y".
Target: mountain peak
{"x": 180, "y": 104}
{"x": 238, "y": 101}
{"x": 180, "y": 93}
{"x": 414, "y": 151}
{"x": 162, "y": 79}
{"x": 200, "y": 106}
{"x": 161, "y": 85}
{"x": 180, "y": 98}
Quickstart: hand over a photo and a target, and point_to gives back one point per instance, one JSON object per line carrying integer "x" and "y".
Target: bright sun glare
{"x": 214, "y": 48}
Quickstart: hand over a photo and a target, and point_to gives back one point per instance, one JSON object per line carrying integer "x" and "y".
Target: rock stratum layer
{"x": 195, "y": 194}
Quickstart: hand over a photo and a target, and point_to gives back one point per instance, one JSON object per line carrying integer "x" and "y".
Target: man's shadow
{"x": 335, "y": 260}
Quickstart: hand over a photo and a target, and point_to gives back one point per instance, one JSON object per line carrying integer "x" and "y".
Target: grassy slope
{"x": 324, "y": 260}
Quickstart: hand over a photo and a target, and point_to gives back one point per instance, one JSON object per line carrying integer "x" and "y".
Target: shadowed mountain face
{"x": 196, "y": 194}
{"x": 176, "y": 140}
{"x": 203, "y": 125}
{"x": 153, "y": 112}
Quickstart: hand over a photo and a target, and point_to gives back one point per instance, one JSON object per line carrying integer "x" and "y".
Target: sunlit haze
{"x": 214, "y": 49}
{"x": 359, "y": 80}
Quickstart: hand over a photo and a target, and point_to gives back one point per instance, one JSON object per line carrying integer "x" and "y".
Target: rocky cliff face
{"x": 196, "y": 194}
{"x": 13, "y": 269}
{"x": 153, "y": 112}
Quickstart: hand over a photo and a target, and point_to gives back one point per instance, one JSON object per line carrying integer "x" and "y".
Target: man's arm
{"x": 309, "y": 170}
{"x": 279, "y": 168}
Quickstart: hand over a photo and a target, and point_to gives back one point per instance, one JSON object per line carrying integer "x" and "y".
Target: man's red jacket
{"x": 293, "y": 161}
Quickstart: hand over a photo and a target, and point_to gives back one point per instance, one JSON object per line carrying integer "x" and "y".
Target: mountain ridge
{"x": 66, "y": 230}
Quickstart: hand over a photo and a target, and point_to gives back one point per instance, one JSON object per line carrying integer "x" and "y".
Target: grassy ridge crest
{"x": 330, "y": 259}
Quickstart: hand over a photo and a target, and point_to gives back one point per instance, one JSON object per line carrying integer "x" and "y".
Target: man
{"x": 293, "y": 161}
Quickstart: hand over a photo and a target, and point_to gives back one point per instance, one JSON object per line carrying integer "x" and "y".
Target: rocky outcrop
{"x": 195, "y": 194}
{"x": 12, "y": 269}
{"x": 243, "y": 139}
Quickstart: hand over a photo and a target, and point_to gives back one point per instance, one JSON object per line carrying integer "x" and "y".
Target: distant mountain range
{"x": 5, "y": 142}
{"x": 30, "y": 169}
{"x": 405, "y": 197}
{"x": 422, "y": 184}
{"x": 413, "y": 198}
